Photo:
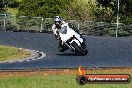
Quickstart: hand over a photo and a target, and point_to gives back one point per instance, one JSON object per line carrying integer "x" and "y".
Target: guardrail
{"x": 39, "y": 24}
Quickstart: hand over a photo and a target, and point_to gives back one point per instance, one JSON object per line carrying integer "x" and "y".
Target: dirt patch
{"x": 4, "y": 74}
{"x": 45, "y": 72}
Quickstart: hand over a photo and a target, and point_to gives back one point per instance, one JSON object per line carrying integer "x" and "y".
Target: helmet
{"x": 57, "y": 20}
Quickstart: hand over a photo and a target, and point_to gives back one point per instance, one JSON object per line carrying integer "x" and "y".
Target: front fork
{"x": 70, "y": 47}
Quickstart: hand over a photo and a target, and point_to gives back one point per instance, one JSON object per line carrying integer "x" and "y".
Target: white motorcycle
{"x": 72, "y": 40}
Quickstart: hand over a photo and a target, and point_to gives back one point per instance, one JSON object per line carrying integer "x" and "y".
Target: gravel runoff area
{"x": 35, "y": 55}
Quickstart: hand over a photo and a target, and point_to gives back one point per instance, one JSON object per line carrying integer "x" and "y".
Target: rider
{"x": 58, "y": 22}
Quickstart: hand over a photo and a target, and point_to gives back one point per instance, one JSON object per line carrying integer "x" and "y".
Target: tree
{"x": 107, "y": 10}
{"x": 43, "y": 8}
{"x": 2, "y": 6}
{"x": 13, "y": 3}
{"x": 80, "y": 10}
{"x": 7, "y": 3}
{"x": 104, "y": 3}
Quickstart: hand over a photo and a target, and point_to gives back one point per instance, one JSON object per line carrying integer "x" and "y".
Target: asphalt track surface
{"x": 103, "y": 51}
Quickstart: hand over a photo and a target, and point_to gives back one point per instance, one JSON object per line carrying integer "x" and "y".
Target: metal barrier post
{"x": 78, "y": 26}
{"x": 117, "y": 19}
{"x": 4, "y": 22}
{"x": 42, "y": 24}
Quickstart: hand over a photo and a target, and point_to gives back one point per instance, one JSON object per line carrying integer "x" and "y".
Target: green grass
{"x": 55, "y": 81}
{"x": 11, "y": 53}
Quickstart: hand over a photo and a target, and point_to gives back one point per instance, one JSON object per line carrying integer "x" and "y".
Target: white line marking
{"x": 34, "y": 57}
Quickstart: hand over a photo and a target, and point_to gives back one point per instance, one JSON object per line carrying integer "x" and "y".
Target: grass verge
{"x": 56, "y": 79}
{"x": 12, "y": 53}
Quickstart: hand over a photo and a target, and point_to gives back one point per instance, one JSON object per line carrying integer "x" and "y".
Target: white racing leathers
{"x": 71, "y": 39}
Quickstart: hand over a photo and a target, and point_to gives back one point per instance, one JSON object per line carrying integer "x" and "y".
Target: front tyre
{"x": 78, "y": 49}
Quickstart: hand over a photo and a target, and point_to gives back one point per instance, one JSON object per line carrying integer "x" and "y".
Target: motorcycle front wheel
{"x": 78, "y": 49}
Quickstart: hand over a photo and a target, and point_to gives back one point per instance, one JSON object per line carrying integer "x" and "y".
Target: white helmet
{"x": 57, "y": 20}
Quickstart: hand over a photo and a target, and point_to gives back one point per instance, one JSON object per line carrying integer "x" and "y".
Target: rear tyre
{"x": 78, "y": 49}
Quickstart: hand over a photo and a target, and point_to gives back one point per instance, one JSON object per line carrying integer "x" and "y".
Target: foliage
{"x": 13, "y": 4}
{"x": 47, "y": 24}
{"x": 99, "y": 10}
{"x": 107, "y": 11}
{"x": 43, "y": 8}
{"x": 8, "y": 3}
{"x": 80, "y": 10}
{"x": 2, "y": 10}
{"x": 104, "y": 3}
{"x": 69, "y": 9}
{"x": 29, "y": 23}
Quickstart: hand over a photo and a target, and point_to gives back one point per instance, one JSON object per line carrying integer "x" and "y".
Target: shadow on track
{"x": 68, "y": 54}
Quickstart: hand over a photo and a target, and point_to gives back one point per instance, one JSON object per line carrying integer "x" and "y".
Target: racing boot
{"x": 61, "y": 47}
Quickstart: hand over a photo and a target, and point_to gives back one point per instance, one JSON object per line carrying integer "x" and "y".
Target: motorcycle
{"x": 72, "y": 40}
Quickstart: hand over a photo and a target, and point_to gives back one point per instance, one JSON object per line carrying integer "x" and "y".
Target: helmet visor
{"x": 57, "y": 22}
